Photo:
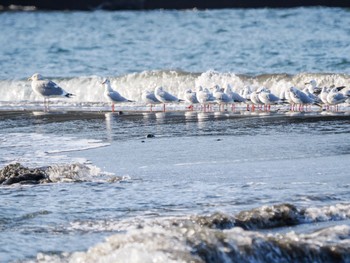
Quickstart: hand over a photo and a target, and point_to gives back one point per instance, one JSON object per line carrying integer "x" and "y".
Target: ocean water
{"x": 232, "y": 186}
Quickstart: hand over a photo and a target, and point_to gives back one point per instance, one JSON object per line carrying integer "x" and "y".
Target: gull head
{"x": 291, "y": 89}
{"x": 200, "y": 88}
{"x": 36, "y": 76}
{"x": 158, "y": 89}
{"x": 313, "y": 83}
{"x": 106, "y": 81}
{"x": 216, "y": 88}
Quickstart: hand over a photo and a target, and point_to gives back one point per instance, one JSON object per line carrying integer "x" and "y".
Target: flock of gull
{"x": 261, "y": 98}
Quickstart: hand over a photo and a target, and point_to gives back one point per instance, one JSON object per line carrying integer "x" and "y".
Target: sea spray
{"x": 88, "y": 89}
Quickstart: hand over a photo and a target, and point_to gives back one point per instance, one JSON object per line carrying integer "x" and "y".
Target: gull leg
{"x": 112, "y": 107}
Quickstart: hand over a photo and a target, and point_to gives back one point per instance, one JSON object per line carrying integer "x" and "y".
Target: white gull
{"x": 164, "y": 96}
{"x": 267, "y": 98}
{"x": 191, "y": 98}
{"x": 335, "y": 97}
{"x": 221, "y": 97}
{"x": 112, "y": 95}
{"x": 149, "y": 98}
{"x": 47, "y": 88}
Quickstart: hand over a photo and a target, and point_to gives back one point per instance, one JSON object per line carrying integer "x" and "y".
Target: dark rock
{"x": 150, "y": 135}
{"x": 16, "y": 173}
{"x": 269, "y": 217}
{"x": 215, "y": 221}
{"x": 161, "y": 4}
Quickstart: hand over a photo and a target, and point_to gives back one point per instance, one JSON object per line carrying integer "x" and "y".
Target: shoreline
{"x": 177, "y": 113}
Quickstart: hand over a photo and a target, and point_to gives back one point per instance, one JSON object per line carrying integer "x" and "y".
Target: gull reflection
{"x": 109, "y": 120}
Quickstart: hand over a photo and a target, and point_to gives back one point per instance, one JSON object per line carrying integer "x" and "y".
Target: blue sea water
{"x": 209, "y": 186}
{"x": 253, "y": 41}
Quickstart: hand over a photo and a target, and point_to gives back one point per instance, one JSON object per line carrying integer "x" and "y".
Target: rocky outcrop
{"x": 16, "y": 173}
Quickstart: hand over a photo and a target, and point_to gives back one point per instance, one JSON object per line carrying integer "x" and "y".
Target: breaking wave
{"x": 43, "y": 149}
{"x": 64, "y": 173}
{"x": 89, "y": 92}
{"x": 217, "y": 238}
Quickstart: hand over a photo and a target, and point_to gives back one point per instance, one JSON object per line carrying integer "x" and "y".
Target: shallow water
{"x": 197, "y": 164}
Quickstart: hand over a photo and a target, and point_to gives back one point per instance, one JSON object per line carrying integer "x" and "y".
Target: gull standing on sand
{"x": 313, "y": 88}
{"x": 165, "y": 97}
{"x": 112, "y": 95}
{"x": 204, "y": 97}
{"x": 47, "y": 89}
{"x": 234, "y": 95}
{"x": 323, "y": 96}
{"x": 334, "y": 97}
{"x": 221, "y": 98}
{"x": 149, "y": 98}
{"x": 254, "y": 97}
{"x": 300, "y": 98}
{"x": 266, "y": 97}
{"x": 245, "y": 93}
{"x": 191, "y": 98}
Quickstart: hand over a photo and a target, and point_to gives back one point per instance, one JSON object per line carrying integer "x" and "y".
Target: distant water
{"x": 253, "y": 41}
{"x": 208, "y": 187}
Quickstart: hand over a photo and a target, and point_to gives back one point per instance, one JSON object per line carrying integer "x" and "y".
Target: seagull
{"x": 245, "y": 93}
{"x": 334, "y": 97}
{"x": 323, "y": 95}
{"x": 267, "y": 98}
{"x": 254, "y": 97}
{"x": 299, "y": 97}
{"x": 234, "y": 95}
{"x": 47, "y": 89}
{"x": 165, "y": 97}
{"x": 149, "y": 98}
{"x": 312, "y": 95}
{"x": 285, "y": 96}
{"x": 221, "y": 97}
{"x": 113, "y": 95}
{"x": 204, "y": 97}
{"x": 314, "y": 89}
{"x": 191, "y": 97}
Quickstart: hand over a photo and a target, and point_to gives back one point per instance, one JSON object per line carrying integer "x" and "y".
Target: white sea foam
{"x": 42, "y": 149}
{"x": 188, "y": 242}
{"x": 89, "y": 91}
{"x": 327, "y": 213}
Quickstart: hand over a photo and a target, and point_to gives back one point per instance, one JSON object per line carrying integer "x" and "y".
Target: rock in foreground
{"x": 17, "y": 173}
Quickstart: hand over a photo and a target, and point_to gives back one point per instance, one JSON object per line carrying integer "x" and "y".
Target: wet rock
{"x": 150, "y": 135}
{"x": 17, "y": 173}
{"x": 269, "y": 217}
{"x": 216, "y": 221}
